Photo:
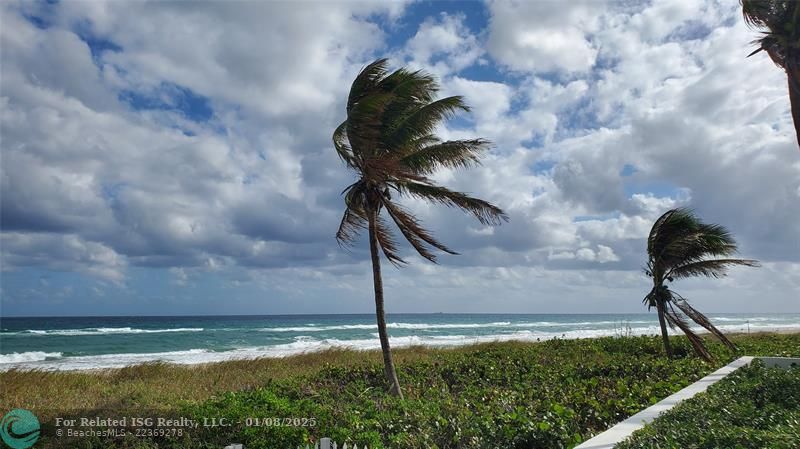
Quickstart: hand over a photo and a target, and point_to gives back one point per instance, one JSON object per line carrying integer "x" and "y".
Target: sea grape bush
{"x": 753, "y": 408}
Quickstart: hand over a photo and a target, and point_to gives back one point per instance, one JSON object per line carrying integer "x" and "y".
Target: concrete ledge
{"x": 622, "y": 430}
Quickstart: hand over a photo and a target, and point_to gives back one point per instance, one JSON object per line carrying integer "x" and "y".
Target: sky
{"x": 175, "y": 158}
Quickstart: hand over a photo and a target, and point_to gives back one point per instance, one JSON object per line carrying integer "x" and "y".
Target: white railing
{"x": 323, "y": 443}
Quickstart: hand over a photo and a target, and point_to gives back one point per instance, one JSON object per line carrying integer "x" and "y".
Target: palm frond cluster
{"x": 388, "y": 140}
{"x": 779, "y": 24}
{"x": 681, "y": 246}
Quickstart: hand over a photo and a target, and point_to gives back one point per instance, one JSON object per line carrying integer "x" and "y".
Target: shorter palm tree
{"x": 681, "y": 246}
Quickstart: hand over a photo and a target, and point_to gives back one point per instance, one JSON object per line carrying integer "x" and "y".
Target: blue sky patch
{"x": 543, "y": 166}
{"x": 171, "y": 97}
{"x": 111, "y": 191}
{"x": 97, "y": 45}
{"x": 627, "y": 170}
{"x": 476, "y": 17}
{"x": 658, "y": 188}
{"x": 37, "y": 21}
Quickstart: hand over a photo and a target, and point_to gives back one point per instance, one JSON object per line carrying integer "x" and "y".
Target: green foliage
{"x": 387, "y": 140}
{"x": 681, "y": 246}
{"x": 552, "y": 394}
{"x": 755, "y": 407}
{"x": 777, "y": 21}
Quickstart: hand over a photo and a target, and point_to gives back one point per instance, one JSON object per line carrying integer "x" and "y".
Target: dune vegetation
{"x": 755, "y": 407}
{"x": 552, "y": 394}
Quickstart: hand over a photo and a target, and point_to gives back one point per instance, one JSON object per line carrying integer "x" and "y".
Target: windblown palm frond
{"x": 387, "y": 140}
{"x": 716, "y": 268}
{"x": 696, "y": 316}
{"x": 681, "y": 246}
{"x": 676, "y": 320}
{"x": 483, "y": 211}
{"x": 433, "y": 155}
{"x": 779, "y": 24}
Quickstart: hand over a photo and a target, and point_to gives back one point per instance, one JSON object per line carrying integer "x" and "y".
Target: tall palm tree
{"x": 779, "y": 22}
{"x": 681, "y": 246}
{"x": 388, "y": 140}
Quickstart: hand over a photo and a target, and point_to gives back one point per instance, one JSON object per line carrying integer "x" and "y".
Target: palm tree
{"x": 779, "y": 22}
{"x": 681, "y": 246}
{"x": 388, "y": 140}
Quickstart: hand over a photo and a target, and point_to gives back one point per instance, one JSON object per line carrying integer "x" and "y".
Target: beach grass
{"x": 160, "y": 385}
{"x": 510, "y": 394}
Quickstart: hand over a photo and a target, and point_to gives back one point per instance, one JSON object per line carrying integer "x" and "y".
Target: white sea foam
{"x": 582, "y": 323}
{"x": 32, "y": 356}
{"x": 104, "y": 331}
{"x": 314, "y": 328}
{"x": 424, "y": 326}
{"x": 742, "y": 319}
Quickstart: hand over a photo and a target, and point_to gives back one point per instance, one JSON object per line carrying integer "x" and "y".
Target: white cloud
{"x": 62, "y": 252}
{"x": 577, "y": 93}
{"x": 131, "y": 181}
{"x": 444, "y": 46}
{"x": 606, "y": 254}
{"x": 544, "y": 36}
{"x": 271, "y": 58}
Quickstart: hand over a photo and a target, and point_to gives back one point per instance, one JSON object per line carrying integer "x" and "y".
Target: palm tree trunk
{"x": 794, "y": 99}
{"x": 662, "y": 322}
{"x": 383, "y": 335}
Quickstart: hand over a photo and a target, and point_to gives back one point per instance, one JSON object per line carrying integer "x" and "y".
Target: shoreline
{"x": 245, "y": 354}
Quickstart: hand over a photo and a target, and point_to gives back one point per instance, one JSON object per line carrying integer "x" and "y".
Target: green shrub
{"x": 753, "y": 408}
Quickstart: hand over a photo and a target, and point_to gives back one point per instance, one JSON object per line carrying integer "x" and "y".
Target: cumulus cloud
{"x": 194, "y": 140}
{"x": 64, "y": 252}
{"x": 544, "y": 36}
{"x": 443, "y": 45}
{"x": 80, "y": 159}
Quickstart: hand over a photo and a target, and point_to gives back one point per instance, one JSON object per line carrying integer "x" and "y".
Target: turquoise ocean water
{"x": 105, "y": 342}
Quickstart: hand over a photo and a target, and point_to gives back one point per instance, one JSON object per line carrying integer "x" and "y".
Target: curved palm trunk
{"x": 792, "y": 66}
{"x": 794, "y": 99}
{"x": 663, "y": 324}
{"x": 388, "y": 363}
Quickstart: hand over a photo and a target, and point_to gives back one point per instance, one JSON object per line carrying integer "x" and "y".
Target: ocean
{"x": 72, "y": 343}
